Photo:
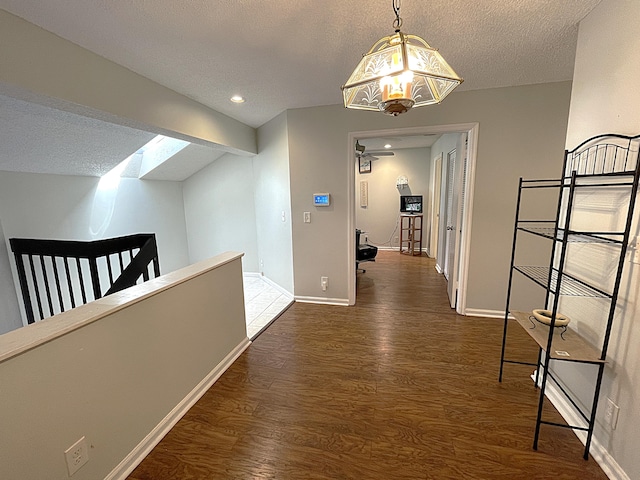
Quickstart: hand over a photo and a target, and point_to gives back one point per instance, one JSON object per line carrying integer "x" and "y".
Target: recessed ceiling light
{"x": 237, "y": 99}
{"x": 388, "y": 145}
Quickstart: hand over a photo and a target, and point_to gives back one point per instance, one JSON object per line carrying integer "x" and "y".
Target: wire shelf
{"x": 575, "y": 237}
{"x": 601, "y": 164}
{"x": 569, "y": 285}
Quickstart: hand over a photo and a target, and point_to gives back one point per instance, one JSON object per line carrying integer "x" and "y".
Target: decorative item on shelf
{"x": 544, "y": 317}
{"x": 399, "y": 72}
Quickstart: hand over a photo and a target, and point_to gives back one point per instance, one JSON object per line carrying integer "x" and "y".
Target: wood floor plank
{"x": 397, "y": 387}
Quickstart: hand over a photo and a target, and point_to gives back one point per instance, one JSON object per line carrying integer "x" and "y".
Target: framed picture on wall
{"x": 364, "y": 165}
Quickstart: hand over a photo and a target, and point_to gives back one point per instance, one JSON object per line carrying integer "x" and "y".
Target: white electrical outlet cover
{"x": 76, "y": 455}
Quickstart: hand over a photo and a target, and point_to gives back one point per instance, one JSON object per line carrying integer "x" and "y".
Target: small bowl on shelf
{"x": 544, "y": 316}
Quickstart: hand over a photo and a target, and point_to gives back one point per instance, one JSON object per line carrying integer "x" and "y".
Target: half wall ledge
{"x": 18, "y": 341}
{"x": 119, "y": 371}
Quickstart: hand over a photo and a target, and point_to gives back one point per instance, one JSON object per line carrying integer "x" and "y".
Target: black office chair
{"x": 364, "y": 252}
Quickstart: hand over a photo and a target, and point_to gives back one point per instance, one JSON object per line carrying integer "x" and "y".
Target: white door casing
{"x": 464, "y": 238}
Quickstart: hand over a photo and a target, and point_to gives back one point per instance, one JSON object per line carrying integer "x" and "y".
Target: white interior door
{"x": 450, "y": 218}
{"x": 456, "y": 179}
{"x": 456, "y": 185}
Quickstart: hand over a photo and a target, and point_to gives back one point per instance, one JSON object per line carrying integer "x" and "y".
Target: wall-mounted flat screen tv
{"x": 411, "y": 203}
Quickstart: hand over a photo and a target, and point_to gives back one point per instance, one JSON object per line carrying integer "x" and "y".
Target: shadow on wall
{"x": 10, "y": 318}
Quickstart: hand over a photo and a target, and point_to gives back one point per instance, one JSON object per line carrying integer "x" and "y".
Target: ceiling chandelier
{"x": 399, "y": 72}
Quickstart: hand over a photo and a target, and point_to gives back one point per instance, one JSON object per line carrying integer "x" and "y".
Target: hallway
{"x": 396, "y": 387}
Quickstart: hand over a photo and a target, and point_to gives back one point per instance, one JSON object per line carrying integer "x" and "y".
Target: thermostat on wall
{"x": 321, "y": 199}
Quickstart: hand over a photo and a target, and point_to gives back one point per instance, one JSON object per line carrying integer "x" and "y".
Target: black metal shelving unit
{"x": 601, "y": 162}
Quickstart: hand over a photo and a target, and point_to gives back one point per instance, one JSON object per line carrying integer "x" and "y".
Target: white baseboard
{"x": 479, "y": 312}
{"x": 397, "y": 249}
{"x": 602, "y": 457}
{"x": 135, "y": 457}
{"x": 271, "y": 283}
{"x": 323, "y": 300}
{"x": 278, "y": 287}
{"x": 438, "y": 269}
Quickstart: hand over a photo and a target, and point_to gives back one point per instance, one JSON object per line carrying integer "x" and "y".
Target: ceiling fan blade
{"x": 382, "y": 154}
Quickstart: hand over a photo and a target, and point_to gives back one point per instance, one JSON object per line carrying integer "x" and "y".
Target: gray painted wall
{"x": 380, "y": 218}
{"x": 273, "y": 203}
{"x": 220, "y": 212}
{"x": 521, "y": 133}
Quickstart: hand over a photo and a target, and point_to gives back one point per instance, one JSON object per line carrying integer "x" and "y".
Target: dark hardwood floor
{"x": 397, "y": 387}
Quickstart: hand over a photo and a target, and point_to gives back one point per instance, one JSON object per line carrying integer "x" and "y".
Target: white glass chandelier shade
{"x": 399, "y": 72}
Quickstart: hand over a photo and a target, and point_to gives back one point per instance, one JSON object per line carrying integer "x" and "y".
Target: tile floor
{"x": 262, "y": 303}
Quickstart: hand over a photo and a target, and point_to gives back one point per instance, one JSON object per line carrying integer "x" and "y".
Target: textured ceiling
{"x": 185, "y": 163}
{"x": 283, "y": 54}
{"x": 37, "y": 139}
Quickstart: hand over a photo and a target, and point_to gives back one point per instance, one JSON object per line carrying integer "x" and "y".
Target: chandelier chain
{"x": 397, "y": 23}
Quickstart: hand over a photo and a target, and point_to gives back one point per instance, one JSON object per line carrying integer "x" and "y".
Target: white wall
{"x": 78, "y": 208}
{"x": 273, "y": 203}
{"x": 605, "y": 99}
{"x": 220, "y": 211}
{"x": 10, "y": 318}
{"x": 380, "y": 218}
{"x": 605, "y": 81}
{"x": 522, "y": 132}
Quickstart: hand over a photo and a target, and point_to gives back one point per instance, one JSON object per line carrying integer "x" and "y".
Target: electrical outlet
{"x": 635, "y": 249}
{"x": 324, "y": 283}
{"x": 611, "y": 413}
{"x": 77, "y": 455}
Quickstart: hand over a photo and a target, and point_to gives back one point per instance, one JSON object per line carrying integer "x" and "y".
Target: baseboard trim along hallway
{"x": 135, "y": 457}
{"x": 608, "y": 464}
{"x": 323, "y": 301}
{"x": 478, "y": 312}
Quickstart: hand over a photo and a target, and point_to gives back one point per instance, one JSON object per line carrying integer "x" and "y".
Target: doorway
{"x": 464, "y": 199}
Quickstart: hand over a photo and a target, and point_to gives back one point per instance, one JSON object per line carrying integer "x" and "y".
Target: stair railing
{"x": 56, "y": 274}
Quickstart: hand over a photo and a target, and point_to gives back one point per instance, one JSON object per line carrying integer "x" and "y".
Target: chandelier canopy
{"x": 399, "y": 72}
